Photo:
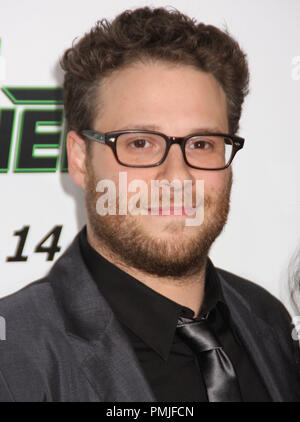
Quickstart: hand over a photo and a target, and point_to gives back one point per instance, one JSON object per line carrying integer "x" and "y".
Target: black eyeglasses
{"x": 143, "y": 148}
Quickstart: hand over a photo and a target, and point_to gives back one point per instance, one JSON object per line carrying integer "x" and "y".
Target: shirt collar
{"x": 149, "y": 315}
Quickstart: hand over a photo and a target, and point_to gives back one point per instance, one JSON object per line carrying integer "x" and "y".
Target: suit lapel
{"x": 262, "y": 344}
{"x": 111, "y": 367}
{"x": 106, "y": 356}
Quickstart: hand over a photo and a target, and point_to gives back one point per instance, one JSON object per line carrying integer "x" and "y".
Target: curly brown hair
{"x": 158, "y": 34}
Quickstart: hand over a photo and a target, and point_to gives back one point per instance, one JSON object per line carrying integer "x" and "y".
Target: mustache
{"x": 171, "y": 201}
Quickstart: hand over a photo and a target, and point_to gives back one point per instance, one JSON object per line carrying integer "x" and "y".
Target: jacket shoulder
{"x": 34, "y": 338}
{"x": 261, "y": 301}
{"x": 27, "y": 303}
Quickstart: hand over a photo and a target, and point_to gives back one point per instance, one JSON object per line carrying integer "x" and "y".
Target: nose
{"x": 174, "y": 166}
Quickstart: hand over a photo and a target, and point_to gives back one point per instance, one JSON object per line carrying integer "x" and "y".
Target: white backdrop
{"x": 263, "y": 230}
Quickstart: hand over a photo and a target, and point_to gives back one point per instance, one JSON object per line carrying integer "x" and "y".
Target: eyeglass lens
{"x": 149, "y": 149}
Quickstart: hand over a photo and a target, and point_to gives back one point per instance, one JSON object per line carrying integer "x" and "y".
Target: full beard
{"x": 183, "y": 253}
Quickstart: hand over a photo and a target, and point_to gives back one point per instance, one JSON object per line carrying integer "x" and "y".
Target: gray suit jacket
{"x": 64, "y": 343}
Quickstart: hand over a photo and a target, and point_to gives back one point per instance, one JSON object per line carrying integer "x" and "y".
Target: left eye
{"x": 200, "y": 144}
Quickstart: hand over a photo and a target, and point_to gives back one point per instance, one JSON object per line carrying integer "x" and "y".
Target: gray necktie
{"x": 217, "y": 370}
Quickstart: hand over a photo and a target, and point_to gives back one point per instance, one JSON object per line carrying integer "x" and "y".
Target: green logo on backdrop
{"x": 34, "y": 126}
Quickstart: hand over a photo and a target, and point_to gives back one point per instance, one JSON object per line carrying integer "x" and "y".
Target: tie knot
{"x": 197, "y": 334}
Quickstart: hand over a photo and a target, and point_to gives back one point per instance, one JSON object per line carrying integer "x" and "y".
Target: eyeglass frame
{"x": 111, "y": 138}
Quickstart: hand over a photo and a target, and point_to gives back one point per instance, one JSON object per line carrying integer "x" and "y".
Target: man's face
{"x": 176, "y": 100}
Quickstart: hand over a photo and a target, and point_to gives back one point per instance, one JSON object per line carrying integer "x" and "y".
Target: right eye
{"x": 139, "y": 143}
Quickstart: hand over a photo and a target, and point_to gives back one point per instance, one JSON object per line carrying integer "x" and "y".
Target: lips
{"x": 172, "y": 210}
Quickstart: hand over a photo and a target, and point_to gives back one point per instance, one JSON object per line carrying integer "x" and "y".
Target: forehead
{"x": 163, "y": 94}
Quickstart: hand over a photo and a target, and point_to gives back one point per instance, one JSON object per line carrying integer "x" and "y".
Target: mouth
{"x": 176, "y": 211}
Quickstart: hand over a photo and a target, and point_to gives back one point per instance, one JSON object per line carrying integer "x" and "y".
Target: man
{"x": 134, "y": 310}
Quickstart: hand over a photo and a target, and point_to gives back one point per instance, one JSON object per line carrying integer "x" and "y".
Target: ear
{"x": 76, "y": 150}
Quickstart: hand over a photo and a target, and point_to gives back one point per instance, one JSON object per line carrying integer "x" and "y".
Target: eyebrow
{"x": 158, "y": 128}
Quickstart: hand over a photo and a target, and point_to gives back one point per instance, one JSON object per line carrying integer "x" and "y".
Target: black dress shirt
{"x": 149, "y": 320}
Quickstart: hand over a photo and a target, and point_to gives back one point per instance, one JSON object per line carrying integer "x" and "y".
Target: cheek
{"x": 215, "y": 182}
{"x": 104, "y": 164}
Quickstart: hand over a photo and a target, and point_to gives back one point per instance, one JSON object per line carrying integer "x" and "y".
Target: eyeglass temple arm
{"x": 95, "y": 136}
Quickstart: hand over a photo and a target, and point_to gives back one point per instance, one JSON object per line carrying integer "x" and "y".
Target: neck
{"x": 188, "y": 292}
